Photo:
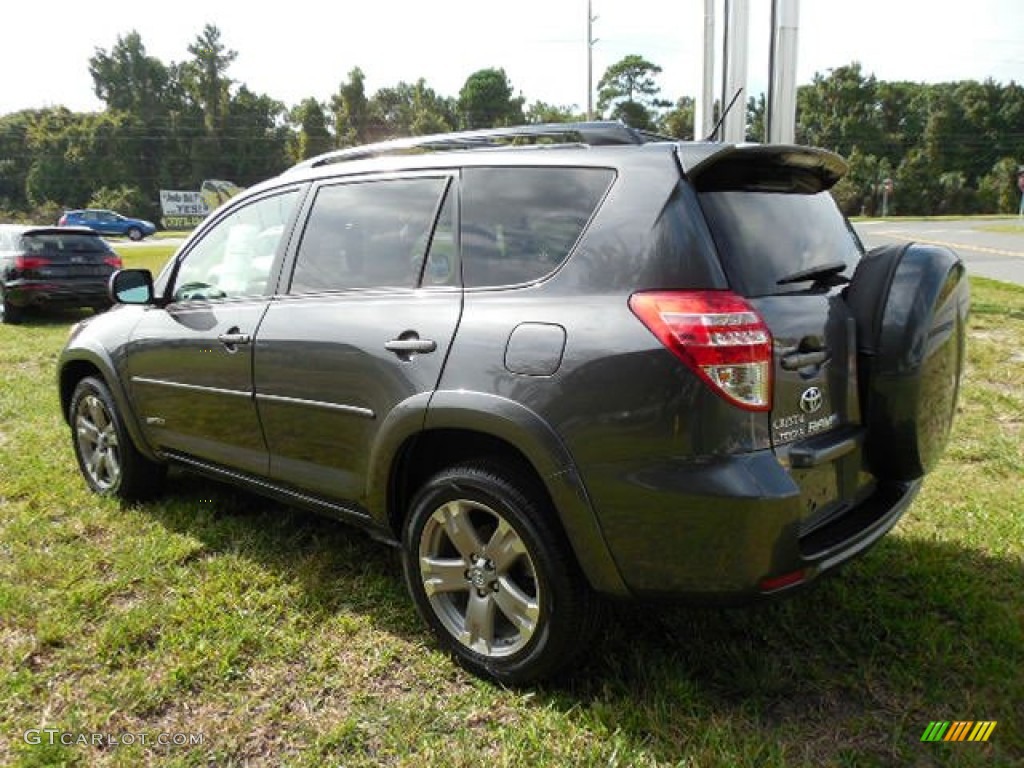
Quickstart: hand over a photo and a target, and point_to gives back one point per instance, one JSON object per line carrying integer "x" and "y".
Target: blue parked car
{"x": 108, "y": 223}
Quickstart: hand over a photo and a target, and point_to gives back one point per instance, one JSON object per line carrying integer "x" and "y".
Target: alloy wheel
{"x": 97, "y": 443}
{"x": 479, "y": 578}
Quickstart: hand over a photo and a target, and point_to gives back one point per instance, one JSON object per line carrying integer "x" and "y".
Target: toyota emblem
{"x": 810, "y": 400}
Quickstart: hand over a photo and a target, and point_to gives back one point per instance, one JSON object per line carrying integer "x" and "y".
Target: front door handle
{"x": 411, "y": 346}
{"x": 233, "y": 338}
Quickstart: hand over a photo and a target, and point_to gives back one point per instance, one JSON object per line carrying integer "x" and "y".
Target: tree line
{"x": 946, "y": 148}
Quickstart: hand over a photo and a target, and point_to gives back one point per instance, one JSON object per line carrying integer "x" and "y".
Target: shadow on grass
{"x": 849, "y": 672}
{"x": 35, "y": 317}
{"x": 288, "y": 540}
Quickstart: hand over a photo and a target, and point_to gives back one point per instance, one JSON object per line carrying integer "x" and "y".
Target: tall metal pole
{"x": 781, "y": 106}
{"x": 726, "y": 26}
{"x": 735, "y": 77}
{"x": 705, "y": 118}
{"x": 590, "y": 60}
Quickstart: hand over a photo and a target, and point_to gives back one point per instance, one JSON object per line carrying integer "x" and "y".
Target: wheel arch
{"x": 82, "y": 362}
{"x": 417, "y": 442}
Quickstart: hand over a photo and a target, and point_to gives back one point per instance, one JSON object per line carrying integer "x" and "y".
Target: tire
{"x": 9, "y": 314}
{"x": 134, "y": 234}
{"x": 910, "y": 303}
{"x": 493, "y": 576}
{"x": 107, "y": 457}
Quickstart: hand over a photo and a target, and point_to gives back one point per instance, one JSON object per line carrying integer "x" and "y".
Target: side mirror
{"x": 131, "y": 286}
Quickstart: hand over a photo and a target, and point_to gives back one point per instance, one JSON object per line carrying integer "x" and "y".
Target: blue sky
{"x": 302, "y": 49}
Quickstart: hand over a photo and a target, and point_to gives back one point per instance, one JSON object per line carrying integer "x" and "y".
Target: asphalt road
{"x": 994, "y": 254}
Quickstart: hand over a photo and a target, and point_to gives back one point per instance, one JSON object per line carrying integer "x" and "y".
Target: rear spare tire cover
{"x": 910, "y": 303}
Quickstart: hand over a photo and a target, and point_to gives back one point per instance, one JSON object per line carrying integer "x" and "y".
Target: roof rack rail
{"x": 593, "y": 133}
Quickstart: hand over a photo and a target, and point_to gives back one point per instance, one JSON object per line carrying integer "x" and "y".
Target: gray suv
{"x": 553, "y": 364}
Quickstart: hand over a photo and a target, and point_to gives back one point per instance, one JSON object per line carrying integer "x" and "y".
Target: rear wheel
{"x": 109, "y": 461}
{"x": 9, "y": 314}
{"x": 492, "y": 575}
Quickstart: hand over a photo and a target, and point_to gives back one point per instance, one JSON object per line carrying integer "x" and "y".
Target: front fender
{"x": 85, "y": 355}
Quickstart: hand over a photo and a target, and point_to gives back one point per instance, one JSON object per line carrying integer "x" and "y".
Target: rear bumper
{"x": 65, "y": 293}
{"x": 734, "y": 529}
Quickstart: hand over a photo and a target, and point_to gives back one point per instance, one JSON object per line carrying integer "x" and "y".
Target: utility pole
{"x": 591, "y": 18}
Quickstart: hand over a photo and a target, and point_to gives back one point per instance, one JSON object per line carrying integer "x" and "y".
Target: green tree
{"x": 140, "y": 86}
{"x": 629, "y": 89}
{"x": 757, "y": 123}
{"x": 127, "y": 200}
{"x": 59, "y": 172}
{"x": 998, "y": 191}
{"x": 15, "y": 159}
{"x": 486, "y": 101}
{"x": 206, "y": 76}
{"x": 678, "y": 121}
{"x": 411, "y": 109}
{"x": 129, "y": 80}
{"x": 352, "y": 110}
{"x": 314, "y": 136}
{"x": 254, "y": 141}
{"x": 541, "y": 112}
{"x": 839, "y": 112}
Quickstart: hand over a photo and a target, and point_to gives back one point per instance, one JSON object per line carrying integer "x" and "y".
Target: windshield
{"x": 765, "y": 237}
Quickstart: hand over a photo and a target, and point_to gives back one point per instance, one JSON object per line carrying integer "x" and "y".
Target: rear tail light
{"x": 25, "y": 262}
{"x": 113, "y": 261}
{"x": 719, "y": 336}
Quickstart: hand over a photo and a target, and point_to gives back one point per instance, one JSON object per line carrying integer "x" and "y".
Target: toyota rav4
{"x": 553, "y": 364}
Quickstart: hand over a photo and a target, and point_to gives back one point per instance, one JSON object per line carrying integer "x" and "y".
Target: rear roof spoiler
{"x": 50, "y": 229}
{"x": 761, "y": 167}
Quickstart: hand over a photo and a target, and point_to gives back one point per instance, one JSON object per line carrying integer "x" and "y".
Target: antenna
{"x": 721, "y": 118}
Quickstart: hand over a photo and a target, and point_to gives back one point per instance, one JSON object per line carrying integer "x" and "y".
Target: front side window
{"x": 370, "y": 234}
{"x": 235, "y": 257}
{"x": 519, "y": 224}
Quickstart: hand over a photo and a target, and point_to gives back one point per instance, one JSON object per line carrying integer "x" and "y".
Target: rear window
{"x": 767, "y": 237}
{"x": 59, "y": 242}
{"x": 519, "y": 224}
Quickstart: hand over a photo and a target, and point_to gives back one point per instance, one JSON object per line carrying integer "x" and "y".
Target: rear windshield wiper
{"x": 827, "y": 274}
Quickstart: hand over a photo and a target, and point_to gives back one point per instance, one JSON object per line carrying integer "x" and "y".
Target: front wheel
{"x": 135, "y": 234}
{"x": 109, "y": 461}
{"x": 491, "y": 573}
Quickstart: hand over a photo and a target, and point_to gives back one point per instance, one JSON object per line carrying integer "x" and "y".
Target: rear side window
{"x": 767, "y": 237}
{"x": 371, "y": 234}
{"x": 519, "y": 224}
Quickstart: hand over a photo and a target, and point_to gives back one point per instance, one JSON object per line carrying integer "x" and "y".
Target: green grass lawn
{"x": 275, "y": 637}
{"x": 1012, "y": 229}
{"x": 151, "y": 256}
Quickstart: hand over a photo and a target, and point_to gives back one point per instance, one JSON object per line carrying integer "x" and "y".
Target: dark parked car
{"x": 560, "y": 364}
{"x": 108, "y": 223}
{"x": 53, "y": 267}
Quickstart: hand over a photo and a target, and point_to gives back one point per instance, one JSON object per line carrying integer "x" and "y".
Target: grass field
{"x": 270, "y": 637}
